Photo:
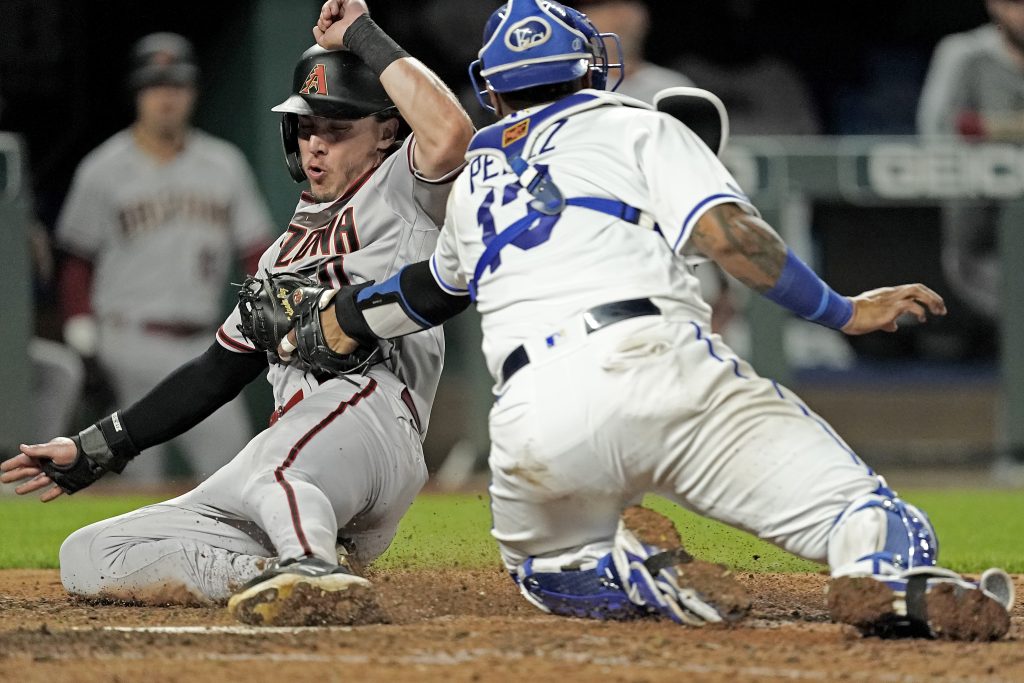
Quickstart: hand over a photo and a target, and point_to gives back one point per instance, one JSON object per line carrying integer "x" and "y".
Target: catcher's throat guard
{"x": 700, "y": 110}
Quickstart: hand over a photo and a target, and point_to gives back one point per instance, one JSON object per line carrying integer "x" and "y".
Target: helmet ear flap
{"x": 290, "y": 142}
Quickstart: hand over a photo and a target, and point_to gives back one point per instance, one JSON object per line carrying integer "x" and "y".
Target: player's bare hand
{"x": 335, "y": 18}
{"x": 333, "y": 335}
{"x": 26, "y": 466}
{"x": 879, "y": 309}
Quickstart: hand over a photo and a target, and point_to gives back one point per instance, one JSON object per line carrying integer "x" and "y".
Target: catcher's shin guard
{"x": 591, "y": 593}
{"x": 881, "y": 534}
{"x": 658, "y": 574}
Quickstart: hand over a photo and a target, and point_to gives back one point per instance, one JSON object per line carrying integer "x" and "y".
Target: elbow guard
{"x": 405, "y": 303}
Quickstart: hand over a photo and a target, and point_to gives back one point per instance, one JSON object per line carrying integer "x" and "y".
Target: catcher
{"x": 342, "y": 460}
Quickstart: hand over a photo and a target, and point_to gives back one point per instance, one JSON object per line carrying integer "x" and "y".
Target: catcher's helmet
{"x": 162, "y": 59}
{"x": 528, "y": 43}
{"x": 334, "y": 84}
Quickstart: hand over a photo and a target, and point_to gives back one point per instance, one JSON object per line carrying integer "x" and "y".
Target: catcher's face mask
{"x": 538, "y": 42}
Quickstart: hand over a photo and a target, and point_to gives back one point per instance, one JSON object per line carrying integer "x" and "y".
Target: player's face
{"x": 165, "y": 109}
{"x": 1009, "y": 15}
{"x": 336, "y": 152}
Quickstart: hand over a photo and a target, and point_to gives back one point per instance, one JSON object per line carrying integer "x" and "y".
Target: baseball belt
{"x": 594, "y": 319}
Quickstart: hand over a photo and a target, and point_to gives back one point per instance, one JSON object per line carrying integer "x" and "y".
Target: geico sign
{"x": 906, "y": 171}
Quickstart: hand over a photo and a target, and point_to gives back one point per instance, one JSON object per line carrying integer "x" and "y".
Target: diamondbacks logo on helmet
{"x": 527, "y": 33}
{"x": 316, "y": 81}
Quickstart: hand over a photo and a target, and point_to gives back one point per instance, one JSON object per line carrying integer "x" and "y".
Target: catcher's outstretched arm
{"x": 408, "y": 302}
{"x": 751, "y": 251}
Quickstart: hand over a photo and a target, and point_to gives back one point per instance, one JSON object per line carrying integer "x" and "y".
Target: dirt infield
{"x": 465, "y": 625}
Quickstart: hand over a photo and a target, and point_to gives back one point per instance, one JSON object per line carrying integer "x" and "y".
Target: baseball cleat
{"x": 306, "y": 592}
{"x": 658, "y": 573}
{"x": 926, "y": 602}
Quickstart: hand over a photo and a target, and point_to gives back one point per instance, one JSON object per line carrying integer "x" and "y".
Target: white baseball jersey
{"x": 610, "y": 146}
{"x": 387, "y": 219}
{"x": 163, "y": 236}
{"x": 650, "y": 403}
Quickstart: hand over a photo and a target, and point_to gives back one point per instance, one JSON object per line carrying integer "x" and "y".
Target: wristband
{"x": 118, "y": 444}
{"x": 800, "y": 290}
{"x": 369, "y": 42}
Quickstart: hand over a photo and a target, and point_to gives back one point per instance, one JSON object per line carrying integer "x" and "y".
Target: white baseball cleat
{"x": 307, "y": 592}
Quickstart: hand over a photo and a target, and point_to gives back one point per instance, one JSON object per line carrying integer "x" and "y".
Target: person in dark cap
{"x": 155, "y": 216}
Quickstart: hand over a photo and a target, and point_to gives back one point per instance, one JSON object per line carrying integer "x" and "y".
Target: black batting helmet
{"x": 162, "y": 59}
{"x": 334, "y": 84}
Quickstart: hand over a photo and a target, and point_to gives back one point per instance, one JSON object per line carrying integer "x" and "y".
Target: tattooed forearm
{"x": 743, "y": 245}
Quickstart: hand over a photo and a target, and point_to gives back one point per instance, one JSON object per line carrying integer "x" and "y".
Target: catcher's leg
{"x": 557, "y": 503}
{"x": 174, "y": 552}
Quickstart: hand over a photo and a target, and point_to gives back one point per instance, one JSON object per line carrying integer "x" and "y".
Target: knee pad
{"x": 881, "y": 534}
{"x": 593, "y": 593}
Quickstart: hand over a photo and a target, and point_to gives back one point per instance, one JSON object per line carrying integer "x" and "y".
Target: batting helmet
{"x": 162, "y": 59}
{"x": 528, "y": 43}
{"x": 333, "y": 84}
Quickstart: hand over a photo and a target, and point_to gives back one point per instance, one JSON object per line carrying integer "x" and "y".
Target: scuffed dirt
{"x": 472, "y": 625}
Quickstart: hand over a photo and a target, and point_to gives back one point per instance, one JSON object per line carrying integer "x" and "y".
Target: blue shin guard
{"x": 886, "y": 581}
{"x": 882, "y": 534}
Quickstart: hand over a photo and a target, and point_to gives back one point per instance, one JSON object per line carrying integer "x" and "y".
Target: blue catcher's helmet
{"x": 539, "y": 42}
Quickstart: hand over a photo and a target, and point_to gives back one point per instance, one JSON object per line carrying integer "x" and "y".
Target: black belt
{"x": 593, "y": 320}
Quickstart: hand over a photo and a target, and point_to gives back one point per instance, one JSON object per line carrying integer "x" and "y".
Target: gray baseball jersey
{"x": 385, "y": 220}
{"x": 163, "y": 236}
{"x": 343, "y": 457}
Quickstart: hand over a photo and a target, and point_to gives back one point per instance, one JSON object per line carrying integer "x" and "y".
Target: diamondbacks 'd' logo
{"x": 527, "y": 33}
{"x": 316, "y": 81}
{"x": 516, "y": 132}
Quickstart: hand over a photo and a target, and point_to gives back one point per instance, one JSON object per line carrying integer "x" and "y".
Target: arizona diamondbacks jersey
{"x": 163, "y": 236}
{"x": 587, "y": 258}
{"x": 385, "y": 220}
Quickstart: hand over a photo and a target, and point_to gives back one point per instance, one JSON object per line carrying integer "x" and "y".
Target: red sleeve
{"x": 75, "y": 287}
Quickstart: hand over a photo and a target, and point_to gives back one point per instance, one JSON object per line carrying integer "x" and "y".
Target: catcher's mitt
{"x": 313, "y": 349}
{"x": 273, "y": 305}
{"x": 268, "y": 306}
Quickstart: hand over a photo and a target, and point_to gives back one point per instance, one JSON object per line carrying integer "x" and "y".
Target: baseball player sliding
{"x": 342, "y": 460}
{"x": 571, "y": 229}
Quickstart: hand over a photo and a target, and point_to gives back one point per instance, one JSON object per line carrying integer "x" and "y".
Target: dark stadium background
{"x": 63, "y": 65}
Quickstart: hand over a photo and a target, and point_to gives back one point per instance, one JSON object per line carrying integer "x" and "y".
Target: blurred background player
{"x": 157, "y": 215}
{"x": 630, "y": 20}
{"x": 975, "y": 91}
{"x": 763, "y": 93}
{"x": 58, "y": 373}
